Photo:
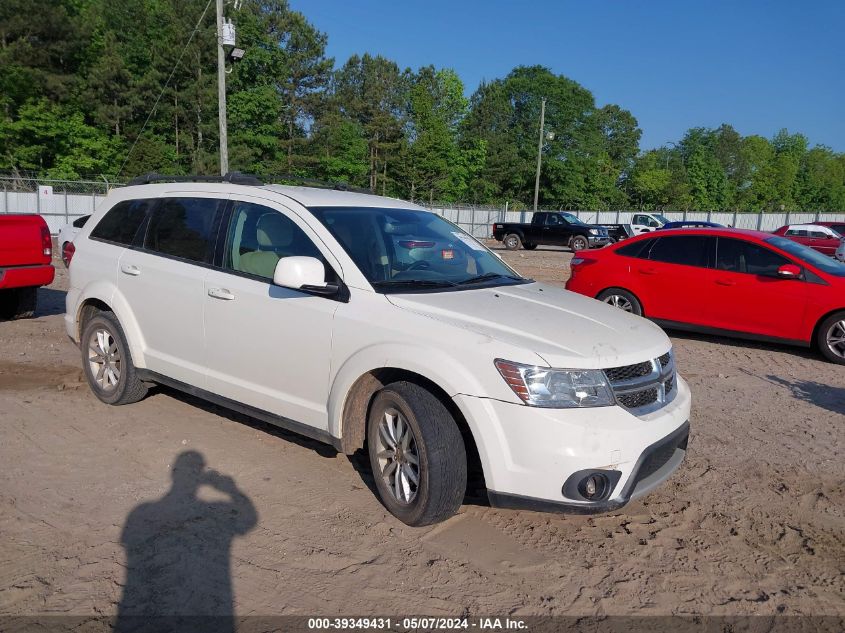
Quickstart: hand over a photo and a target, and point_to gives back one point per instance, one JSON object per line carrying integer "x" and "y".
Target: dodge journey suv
{"x": 370, "y": 323}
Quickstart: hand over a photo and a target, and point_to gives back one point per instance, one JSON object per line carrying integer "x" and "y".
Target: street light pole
{"x": 539, "y": 152}
{"x": 221, "y": 92}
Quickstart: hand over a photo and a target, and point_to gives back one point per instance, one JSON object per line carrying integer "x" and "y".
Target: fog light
{"x": 594, "y": 486}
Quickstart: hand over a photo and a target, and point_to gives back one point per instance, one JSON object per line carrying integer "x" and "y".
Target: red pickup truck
{"x": 26, "y": 253}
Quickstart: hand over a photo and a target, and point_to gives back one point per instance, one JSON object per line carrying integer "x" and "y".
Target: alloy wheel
{"x": 398, "y": 457}
{"x": 836, "y": 338}
{"x": 618, "y": 301}
{"x": 104, "y": 359}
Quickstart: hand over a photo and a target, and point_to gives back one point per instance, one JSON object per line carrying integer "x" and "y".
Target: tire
{"x": 103, "y": 332}
{"x": 18, "y": 303}
{"x": 579, "y": 243}
{"x": 832, "y": 328}
{"x": 622, "y": 299}
{"x": 512, "y": 241}
{"x": 432, "y": 438}
{"x": 529, "y": 247}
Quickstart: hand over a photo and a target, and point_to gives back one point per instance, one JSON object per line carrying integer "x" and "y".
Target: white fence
{"x": 64, "y": 201}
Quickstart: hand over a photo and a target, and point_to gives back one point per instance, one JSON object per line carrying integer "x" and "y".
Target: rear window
{"x": 688, "y": 250}
{"x": 120, "y": 223}
{"x": 183, "y": 228}
{"x": 636, "y": 249}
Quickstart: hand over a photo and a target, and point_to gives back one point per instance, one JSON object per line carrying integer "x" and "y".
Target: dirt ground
{"x": 753, "y": 522}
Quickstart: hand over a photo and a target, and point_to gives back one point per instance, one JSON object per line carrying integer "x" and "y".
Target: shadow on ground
{"x": 178, "y": 563}
{"x": 824, "y": 396}
{"x": 50, "y": 302}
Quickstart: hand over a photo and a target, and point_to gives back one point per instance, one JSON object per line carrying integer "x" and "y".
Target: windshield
{"x": 404, "y": 250}
{"x": 663, "y": 219}
{"x": 807, "y": 254}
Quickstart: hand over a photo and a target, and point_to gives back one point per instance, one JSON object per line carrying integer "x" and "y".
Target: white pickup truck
{"x": 371, "y": 323}
{"x": 647, "y": 222}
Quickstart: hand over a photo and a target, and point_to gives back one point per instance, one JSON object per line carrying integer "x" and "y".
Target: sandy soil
{"x": 753, "y": 523}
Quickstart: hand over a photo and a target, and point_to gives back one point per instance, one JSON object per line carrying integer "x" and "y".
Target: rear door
{"x": 162, "y": 279}
{"x": 673, "y": 278}
{"x": 747, "y": 294}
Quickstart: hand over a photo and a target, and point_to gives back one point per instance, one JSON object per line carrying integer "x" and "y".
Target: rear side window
{"x": 120, "y": 223}
{"x": 183, "y": 228}
{"x": 80, "y": 222}
{"x": 636, "y": 249}
{"x": 688, "y": 250}
{"x": 740, "y": 256}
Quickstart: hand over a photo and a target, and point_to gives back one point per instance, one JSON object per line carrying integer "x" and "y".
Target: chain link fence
{"x": 62, "y": 201}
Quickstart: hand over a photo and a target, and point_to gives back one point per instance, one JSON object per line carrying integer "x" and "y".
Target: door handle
{"x": 648, "y": 271}
{"x": 220, "y": 293}
{"x": 130, "y": 269}
{"x": 725, "y": 282}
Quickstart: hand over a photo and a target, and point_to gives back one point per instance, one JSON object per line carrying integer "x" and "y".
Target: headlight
{"x": 557, "y": 388}
{"x": 594, "y": 231}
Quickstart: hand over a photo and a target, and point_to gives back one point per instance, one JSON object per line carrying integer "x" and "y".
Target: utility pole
{"x": 539, "y": 151}
{"x": 221, "y": 92}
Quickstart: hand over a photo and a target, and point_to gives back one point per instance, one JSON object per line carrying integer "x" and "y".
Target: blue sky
{"x": 759, "y": 66}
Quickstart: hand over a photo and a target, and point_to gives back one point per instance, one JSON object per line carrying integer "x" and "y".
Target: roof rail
{"x": 314, "y": 182}
{"x": 233, "y": 177}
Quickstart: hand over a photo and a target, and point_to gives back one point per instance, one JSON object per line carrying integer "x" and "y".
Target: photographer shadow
{"x": 178, "y": 570}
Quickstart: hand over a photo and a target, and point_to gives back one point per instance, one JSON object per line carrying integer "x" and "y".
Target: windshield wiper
{"x": 413, "y": 283}
{"x": 487, "y": 276}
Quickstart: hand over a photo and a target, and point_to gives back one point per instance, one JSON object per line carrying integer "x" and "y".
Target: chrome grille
{"x": 644, "y": 387}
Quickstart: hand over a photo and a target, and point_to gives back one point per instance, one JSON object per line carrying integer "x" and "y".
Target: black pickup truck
{"x": 554, "y": 229}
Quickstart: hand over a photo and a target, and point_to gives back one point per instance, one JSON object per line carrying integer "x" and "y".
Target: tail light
{"x": 46, "y": 242}
{"x": 67, "y": 253}
{"x": 578, "y": 263}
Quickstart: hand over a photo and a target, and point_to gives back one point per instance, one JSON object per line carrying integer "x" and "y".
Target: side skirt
{"x": 703, "y": 329}
{"x": 265, "y": 416}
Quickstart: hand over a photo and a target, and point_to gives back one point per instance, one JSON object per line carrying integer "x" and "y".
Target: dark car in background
{"x": 691, "y": 224}
{"x": 553, "y": 229}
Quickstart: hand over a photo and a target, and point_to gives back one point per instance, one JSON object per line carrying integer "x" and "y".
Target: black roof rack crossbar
{"x": 314, "y": 182}
{"x": 232, "y": 177}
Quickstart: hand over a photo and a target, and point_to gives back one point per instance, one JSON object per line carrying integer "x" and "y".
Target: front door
{"x": 749, "y": 295}
{"x": 268, "y": 347}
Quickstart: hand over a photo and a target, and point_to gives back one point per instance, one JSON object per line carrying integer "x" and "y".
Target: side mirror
{"x": 789, "y": 271}
{"x": 303, "y": 273}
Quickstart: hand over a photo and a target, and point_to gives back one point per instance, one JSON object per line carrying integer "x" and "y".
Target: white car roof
{"x": 306, "y": 196}
{"x": 317, "y": 197}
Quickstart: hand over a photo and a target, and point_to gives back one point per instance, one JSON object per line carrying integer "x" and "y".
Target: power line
{"x": 164, "y": 87}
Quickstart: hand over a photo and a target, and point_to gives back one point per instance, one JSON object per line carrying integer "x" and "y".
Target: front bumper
{"x": 529, "y": 453}
{"x": 598, "y": 240}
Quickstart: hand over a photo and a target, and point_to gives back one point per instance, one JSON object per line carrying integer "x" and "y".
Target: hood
{"x": 565, "y": 329}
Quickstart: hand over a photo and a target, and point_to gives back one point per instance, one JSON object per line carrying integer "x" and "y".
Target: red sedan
{"x": 820, "y": 238}
{"x": 723, "y": 281}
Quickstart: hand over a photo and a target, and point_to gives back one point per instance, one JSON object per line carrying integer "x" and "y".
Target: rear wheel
{"x": 830, "y": 338}
{"x": 18, "y": 303}
{"x": 107, "y": 362}
{"x": 512, "y": 242}
{"x": 417, "y": 454}
{"x": 579, "y": 243}
{"x": 622, "y": 299}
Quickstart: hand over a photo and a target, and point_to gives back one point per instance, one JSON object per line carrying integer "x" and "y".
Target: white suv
{"x": 369, "y": 322}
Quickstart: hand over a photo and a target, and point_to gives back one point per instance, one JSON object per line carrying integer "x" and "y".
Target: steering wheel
{"x": 420, "y": 265}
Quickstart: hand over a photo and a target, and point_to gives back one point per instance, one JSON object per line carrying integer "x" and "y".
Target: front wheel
{"x": 579, "y": 243}
{"x": 622, "y": 299}
{"x": 417, "y": 454}
{"x": 830, "y": 338}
